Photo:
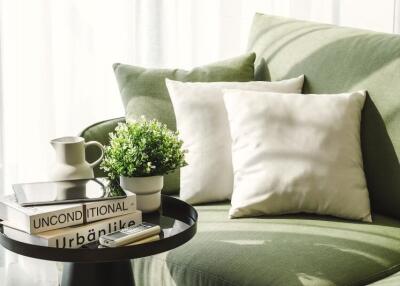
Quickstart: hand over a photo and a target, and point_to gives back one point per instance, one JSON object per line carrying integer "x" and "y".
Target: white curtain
{"x": 56, "y": 56}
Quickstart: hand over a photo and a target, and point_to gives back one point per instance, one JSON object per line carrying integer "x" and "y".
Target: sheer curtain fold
{"x": 56, "y": 76}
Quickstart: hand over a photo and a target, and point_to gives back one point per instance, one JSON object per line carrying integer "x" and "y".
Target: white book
{"x": 74, "y": 236}
{"x": 43, "y": 218}
{"x": 145, "y": 240}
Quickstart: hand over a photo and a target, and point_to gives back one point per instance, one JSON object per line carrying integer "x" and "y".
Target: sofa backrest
{"x": 337, "y": 59}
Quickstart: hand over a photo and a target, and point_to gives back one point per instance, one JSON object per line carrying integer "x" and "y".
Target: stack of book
{"x": 69, "y": 225}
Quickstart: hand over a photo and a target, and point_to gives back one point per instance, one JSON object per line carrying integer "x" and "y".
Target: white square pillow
{"x": 203, "y": 126}
{"x": 297, "y": 153}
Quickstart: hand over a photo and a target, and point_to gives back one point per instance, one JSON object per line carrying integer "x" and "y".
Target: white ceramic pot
{"x": 147, "y": 190}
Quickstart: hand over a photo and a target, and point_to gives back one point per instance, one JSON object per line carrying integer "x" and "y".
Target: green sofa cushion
{"x": 336, "y": 59}
{"x": 392, "y": 280}
{"x": 279, "y": 251}
{"x": 144, "y": 91}
{"x": 99, "y": 132}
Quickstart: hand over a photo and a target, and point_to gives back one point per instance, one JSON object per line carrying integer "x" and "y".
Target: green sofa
{"x": 304, "y": 249}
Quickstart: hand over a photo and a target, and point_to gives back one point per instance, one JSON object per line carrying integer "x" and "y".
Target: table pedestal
{"x": 98, "y": 274}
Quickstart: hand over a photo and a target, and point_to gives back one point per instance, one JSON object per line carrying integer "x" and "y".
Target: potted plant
{"x": 138, "y": 155}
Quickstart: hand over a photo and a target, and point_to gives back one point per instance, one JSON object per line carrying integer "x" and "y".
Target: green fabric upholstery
{"x": 336, "y": 59}
{"x": 294, "y": 249}
{"x": 278, "y": 251}
{"x": 99, "y": 132}
{"x": 144, "y": 91}
{"x": 393, "y": 280}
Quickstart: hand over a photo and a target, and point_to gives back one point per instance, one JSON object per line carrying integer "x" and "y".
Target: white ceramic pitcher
{"x": 70, "y": 159}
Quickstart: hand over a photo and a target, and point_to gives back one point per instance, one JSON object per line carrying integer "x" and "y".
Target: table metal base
{"x": 98, "y": 274}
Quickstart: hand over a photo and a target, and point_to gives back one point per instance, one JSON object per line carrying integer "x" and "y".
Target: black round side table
{"x": 112, "y": 266}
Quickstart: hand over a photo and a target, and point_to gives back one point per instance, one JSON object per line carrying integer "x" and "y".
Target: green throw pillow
{"x": 144, "y": 91}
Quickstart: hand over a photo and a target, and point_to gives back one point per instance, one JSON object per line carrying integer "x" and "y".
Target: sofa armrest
{"x": 99, "y": 132}
{"x": 392, "y": 280}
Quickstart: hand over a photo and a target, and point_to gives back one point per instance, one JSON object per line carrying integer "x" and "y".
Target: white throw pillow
{"x": 297, "y": 153}
{"x": 203, "y": 125}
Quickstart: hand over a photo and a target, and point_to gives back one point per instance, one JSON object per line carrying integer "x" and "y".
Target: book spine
{"x": 110, "y": 208}
{"x": 74, "y": 237}
{"x": 55, "y": 219}
{"x": 94, "y": 211}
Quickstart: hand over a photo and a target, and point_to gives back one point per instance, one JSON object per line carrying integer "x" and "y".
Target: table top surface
{"x": 178, "y": 221}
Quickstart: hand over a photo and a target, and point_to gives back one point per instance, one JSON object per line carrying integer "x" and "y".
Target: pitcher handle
{"x": 101, "y": 147}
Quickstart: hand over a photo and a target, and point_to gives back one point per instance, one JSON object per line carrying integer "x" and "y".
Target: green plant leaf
{"x": 142, "y": 148}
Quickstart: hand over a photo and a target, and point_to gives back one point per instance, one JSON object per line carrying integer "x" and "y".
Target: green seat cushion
{"x": 279, "y": 251}
{"x": 393, "y": 280}
{"x": 144, "y": 91}
{"x": 336, "y": 59}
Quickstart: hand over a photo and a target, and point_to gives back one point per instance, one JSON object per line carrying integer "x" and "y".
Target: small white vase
{"x": 71, "y": 160}
{"x": 147, "y": 190}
